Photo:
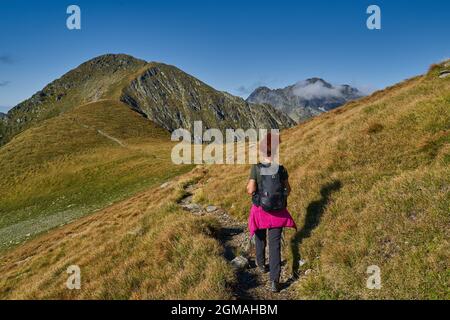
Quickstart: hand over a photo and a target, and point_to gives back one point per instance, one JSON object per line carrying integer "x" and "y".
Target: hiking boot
{"x": 274, "y": 286}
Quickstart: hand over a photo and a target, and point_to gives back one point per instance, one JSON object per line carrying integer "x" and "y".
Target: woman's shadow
{"x": 314, "y": 212}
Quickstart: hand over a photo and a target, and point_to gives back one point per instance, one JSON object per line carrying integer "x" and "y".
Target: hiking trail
{"x": 251, "y": 283}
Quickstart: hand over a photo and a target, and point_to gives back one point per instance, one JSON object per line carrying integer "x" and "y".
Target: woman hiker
{"x": 269, "y": 215}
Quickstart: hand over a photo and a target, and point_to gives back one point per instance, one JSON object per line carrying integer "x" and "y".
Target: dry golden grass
{"x": 371, "y": 186}
{"x": 141, "y": 248}
{"x": 83, "y": 160}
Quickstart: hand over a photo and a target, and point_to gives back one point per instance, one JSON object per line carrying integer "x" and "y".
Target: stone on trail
{"x": 194, "y": 207}
{"x": 247, "y": 243}
{"x": 211, "y": 208}
{"x": 240, "y": 262}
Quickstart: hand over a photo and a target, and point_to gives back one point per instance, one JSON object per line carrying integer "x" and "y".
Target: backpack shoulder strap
{"x": 258, "y": 176}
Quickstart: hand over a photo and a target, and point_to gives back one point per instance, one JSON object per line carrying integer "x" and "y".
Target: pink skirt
{"x": 260, "y": 219}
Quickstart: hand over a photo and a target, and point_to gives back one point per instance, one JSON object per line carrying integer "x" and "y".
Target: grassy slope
{"x": 98, "y": 78}
{"x": 84, "y": 158}
{"x": 141, "y": 248}
{"x": 371, "y": 186}
{"x": 65, "y": 167}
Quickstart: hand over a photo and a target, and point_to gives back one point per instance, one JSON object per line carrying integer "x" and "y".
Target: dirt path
{"x": 100, "y": 132}
{"x": 240, "y": 252}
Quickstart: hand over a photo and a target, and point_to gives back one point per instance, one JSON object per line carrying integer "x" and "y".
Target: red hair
{"x": 269, "y": 143}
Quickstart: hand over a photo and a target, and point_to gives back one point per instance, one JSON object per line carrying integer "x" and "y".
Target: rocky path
{"x": 240, "y": 252}
{"x": 100, "y": 132}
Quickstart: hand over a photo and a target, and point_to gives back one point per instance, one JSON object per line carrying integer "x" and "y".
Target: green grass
{"x": 64, "y": 168}
{"x": 145, "y": 247}
{"x": 370, "y": 186}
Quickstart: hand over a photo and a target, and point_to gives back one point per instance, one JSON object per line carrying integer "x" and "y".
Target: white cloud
{"x": 316, "y": 90}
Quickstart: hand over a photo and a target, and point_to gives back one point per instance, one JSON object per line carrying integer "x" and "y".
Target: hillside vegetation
{"x": 371, "y": 186}
{"x": 86, "y": 139}
{"x": 166, "y": 95}
{"x": 99, "y": 78}
{"x": 82, "y": 160}
{"x": 145, "y": 247}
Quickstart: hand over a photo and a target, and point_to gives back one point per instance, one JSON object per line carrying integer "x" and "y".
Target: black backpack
{"x": 271, "y": 194}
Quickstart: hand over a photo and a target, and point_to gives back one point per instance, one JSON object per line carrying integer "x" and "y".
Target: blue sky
{"x": 232, "y": 45}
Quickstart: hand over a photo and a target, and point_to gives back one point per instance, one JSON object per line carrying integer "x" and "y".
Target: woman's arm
{"x": 251, "y": 186}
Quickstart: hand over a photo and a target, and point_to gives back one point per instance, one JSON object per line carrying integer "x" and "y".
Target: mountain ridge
{"x": 173, "y": 102}
{"x": 153, "y": 93}
{"x": 305, "y": 99}
{"x": 85, "y": 83}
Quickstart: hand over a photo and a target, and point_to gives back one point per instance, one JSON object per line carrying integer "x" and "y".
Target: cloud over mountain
{"x": 306, "y": 98}
{"x": 316, "y": 90}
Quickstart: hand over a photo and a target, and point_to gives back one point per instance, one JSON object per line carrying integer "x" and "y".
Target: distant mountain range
{"x": 164, "y": 94}
{"x": 305, "y": 99}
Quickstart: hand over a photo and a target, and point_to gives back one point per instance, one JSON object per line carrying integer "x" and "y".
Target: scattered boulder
{"x": 194, "y": 207}
{"x": 211, "y": 208}
{"x": 444, "y": 74}
{"x": 240, "y": 263}
{"x": 309, "y": 271}
{"x": 165, "y": 184}
{"x": 246, "y": 246}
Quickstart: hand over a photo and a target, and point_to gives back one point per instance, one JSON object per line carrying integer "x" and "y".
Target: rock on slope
{"x": 305, "y": 99}
{"x": 164, "y": 93}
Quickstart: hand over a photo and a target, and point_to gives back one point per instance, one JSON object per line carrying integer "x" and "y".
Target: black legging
{"x": 274, "y": 250}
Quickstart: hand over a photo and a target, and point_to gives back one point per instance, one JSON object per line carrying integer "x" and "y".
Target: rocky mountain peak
{"x": 314, "y": 81}
{"x": 112, "y": 60}
{"x": 174, "y": 99}
{"x": 262, "y": 89}
{"x": 306, "y": 98}
{"x": 166, "y": 95}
